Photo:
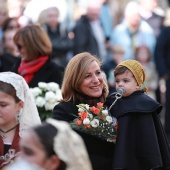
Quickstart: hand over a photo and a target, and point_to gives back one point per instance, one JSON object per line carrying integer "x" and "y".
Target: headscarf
{"x": 69, "y": 146}
{"x": 28, "y": 115}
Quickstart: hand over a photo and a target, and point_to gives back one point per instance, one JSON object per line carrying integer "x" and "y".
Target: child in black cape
{"x": 141, "y": 141}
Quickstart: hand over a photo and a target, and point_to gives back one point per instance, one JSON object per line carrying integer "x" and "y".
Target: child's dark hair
{"x": 9, "y": 89}
{"x": 46, "y": 133}
{"x": 120, "y": 70}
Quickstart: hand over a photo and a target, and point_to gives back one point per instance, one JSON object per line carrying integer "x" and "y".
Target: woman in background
{"x": 35, "y": 48}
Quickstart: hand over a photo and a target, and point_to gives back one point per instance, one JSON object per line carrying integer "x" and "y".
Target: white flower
{"x": 40, "y": 101}
{"x": 36, "y": 91}
{"x": 109, "y": 119}
{"x": 95, "y": 123}
{"x": 105, "y": 112}
{"x": 86, "y": 121}
{"x": 80, "y": 109}
{"x": 58, "y": 95}
{"x": 50, "y": 96}
{"x": 87, "y": 106}
{"x": 42, "y": 85}
{"x": 90, "y": 116}
{"x": 49, "y": 105}
{"x": 52, "y": 86}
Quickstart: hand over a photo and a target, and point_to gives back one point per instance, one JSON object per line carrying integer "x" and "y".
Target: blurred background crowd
{"x": 114, "y": 30}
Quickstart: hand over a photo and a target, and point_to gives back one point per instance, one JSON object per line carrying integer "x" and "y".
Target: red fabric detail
{"x": 28, "y": 69}
{"x": 14, "y": 148}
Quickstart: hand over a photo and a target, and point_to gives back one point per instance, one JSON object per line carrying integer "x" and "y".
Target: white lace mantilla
{"x": 28, "y": 115}
{"x": 69, "y": 146}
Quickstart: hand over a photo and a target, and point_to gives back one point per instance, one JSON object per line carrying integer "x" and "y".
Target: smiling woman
{"x": 84, "y": 83}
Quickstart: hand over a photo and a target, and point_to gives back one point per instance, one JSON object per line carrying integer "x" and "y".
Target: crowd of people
{"x": 102, "y": 52}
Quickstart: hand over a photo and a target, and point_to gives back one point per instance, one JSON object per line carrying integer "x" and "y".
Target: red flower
{"x": 86, "y": 126}
{"x": 78, "y": 122}
{"x": 95, "y": 110}
{"x": 99, "y": 105}
{"x": 102, "y": 117}
{"x": 92, "y": 109}
{"x": 83, "y": 115}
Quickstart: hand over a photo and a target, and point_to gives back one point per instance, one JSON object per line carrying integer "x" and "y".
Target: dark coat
{"x": 100, "y": 151}
{"x": 49, "y": 72}
{"x": 162, "y": 52}
{"x": 7, "y": 61}
{"x": 141, "y": 142}
{"x": 84, "y": 39}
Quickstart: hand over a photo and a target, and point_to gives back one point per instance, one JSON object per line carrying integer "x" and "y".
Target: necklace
{"x": 4, "y": 132}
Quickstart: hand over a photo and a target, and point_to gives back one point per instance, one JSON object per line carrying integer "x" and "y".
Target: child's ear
{"x": 137, "y": 87}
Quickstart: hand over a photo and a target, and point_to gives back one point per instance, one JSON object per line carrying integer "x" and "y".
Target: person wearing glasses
{"x": 34, "y": 65}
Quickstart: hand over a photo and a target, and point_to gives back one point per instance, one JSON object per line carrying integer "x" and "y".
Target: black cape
{"x": 141, "y": 142}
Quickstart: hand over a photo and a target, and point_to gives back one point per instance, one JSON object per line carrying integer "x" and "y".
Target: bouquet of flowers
{"x": 95, "y": 121}
{"x": 46, "y": 96}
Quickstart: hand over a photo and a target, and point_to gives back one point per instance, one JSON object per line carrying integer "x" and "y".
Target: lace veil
{"x": 28, "y": 115}
{"x": 69, "y": 146}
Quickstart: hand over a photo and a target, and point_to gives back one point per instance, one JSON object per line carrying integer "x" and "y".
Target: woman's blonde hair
{"x": 75, "y": 73}
{"x": 35, "y": 40}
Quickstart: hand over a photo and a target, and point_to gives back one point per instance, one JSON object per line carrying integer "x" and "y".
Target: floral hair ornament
{"x": 28, "y": 115}
{"x": 138, "y": 71}
{"x": 69, "y": 146}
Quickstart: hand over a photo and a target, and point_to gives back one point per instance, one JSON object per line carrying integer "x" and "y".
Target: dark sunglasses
{"x": 12, "y": 27}
{"x": 19, "y": 47}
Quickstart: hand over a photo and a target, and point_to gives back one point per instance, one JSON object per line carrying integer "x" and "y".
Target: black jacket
{"x": 7, "y": 61}
{"x": 49, "y": 72}
{"x": 84, "y": 39}
{"x": 100, "y": 151}
{"x": 162, "y": 52}
{"x": 141, "y": 142}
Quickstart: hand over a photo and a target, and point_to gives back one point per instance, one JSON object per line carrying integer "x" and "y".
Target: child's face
{"x": 143, "y": 55}
{"x": 118, "y": 57}
{"x": 128, "y": 82}
{"x": 8, "y": 110}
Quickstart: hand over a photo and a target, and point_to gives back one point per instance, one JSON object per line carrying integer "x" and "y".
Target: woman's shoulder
{"x": 54, "y": 66}
{"x": 65, "y": 111}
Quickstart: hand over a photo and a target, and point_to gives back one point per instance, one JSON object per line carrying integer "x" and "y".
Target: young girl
{"x": 17, "y": 113}
{"x": 143, "y": 56}
{"x": 64, "y": 149}
{"x": 141, "y": 142}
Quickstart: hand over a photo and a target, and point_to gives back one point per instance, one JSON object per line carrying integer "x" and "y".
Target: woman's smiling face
{"x": 92, "y": 85}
